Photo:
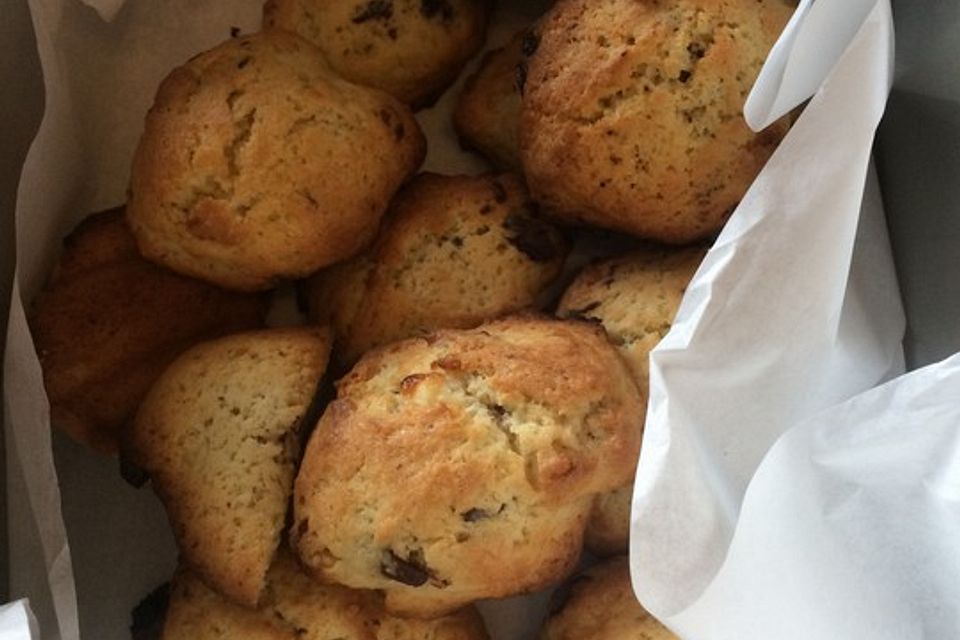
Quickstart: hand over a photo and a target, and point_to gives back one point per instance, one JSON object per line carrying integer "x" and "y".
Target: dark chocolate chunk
{"x": 696, "y": 50}
{"x": 373, "y": 10}
{"x": 472, "y": 515}
{"x": 536, "y": 239}
{"x": 476, "y": 514}
{"x": 412, "y": 571}
{"x": 497, "y": 411}
{"x": 234, "y": 32}
{"x": 684, "y": 75}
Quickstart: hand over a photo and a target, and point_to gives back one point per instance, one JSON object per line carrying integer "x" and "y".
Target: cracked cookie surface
{"x": 462, "y": 465}
{"x": 219, "y": 437}
{"x": 412, "y": 49}
{"x": 258, "y": 163}
{"x": 631, "y": 115}
{"x": 634, "y": 298}
{"x": 454, "y": 251}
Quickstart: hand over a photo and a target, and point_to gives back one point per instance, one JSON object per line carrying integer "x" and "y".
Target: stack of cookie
{"x": 472, "y": 444}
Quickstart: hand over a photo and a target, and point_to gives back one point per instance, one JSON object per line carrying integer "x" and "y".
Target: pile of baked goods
{"x": 486, "y": 419}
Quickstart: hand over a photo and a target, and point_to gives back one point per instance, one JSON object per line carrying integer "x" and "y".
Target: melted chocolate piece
{"x": 413, "y": 571}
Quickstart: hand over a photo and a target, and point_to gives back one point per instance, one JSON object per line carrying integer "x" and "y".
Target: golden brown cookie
{"x": 412, "y": 49}
{"x": 632, "y": 112}
{"x": 599, "y": 605}
{"x": 487, "y": 115}
{"x": 109, "y": 322}
{"x": 295, "y": 607}
{"x": 454, "y": 251}
{"x": 219, "y": 437}
{"x": 634, "y": 298}
{"x": 462, "y": 465}
{"x": 258, "y": 163}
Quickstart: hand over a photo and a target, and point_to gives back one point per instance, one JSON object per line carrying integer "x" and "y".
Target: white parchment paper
{"x": 769, "y": 504}
{"x": 776, "y": 499}
{"x": 17, "y": 622}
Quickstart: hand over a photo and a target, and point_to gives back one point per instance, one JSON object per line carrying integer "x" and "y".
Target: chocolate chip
{"x": 684, "y": 75}
{"x": 536, "y": 239}
{"x": 530, "y": 44}
{"x": 696, "y": 50}
{"x": 244, "y": 62}
{"x": 431, "y": 8}
{"x": 457, "y": 241}
{"x": 476, "y": 514}
{"x": 472, "y": 515}
{"x": 146, "y": 619}
{"x": 412, "y": 571}
{"x": 497, "y": 411}
{"x": 303, "y": 527}
{"x": 234, "y": 32}
{"x": 485, "y": 209}
{"x": 392, "y": 32}
{"x": 374, "y": 10}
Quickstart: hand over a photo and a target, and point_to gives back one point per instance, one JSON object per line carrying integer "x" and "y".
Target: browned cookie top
{"x": 108, "y": 322}
{"x": 632, "y": 111}
{"x": 462, "y": 465}
{"x": 454, "y": 251}
{"x": 259, "y": 163}
{"x": 412, "y": 49}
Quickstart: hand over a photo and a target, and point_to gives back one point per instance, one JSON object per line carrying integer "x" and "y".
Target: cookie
{"x": 632, "y": 112}
{"x": 297, "y": 608}
{"x": 599, "y": 605}
{"x": 462, "y": 465}
{"x": 634, "y": 298}
{"x": 412, "y": 49}
{"x": 258, "y": 163}
{"x": 487, "y": 115}
{"x": 454, "y": 252}
{"x": 109, "y": 322}
{"x": 219, "y": 436}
